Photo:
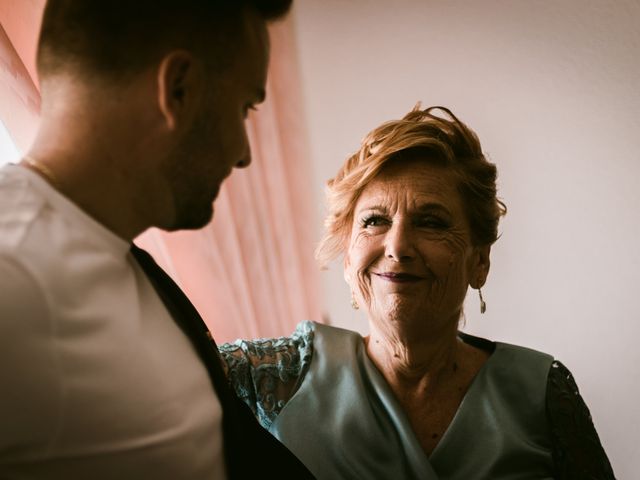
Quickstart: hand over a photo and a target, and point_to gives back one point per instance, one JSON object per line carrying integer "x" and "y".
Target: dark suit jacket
{"x": 250, "y": 451}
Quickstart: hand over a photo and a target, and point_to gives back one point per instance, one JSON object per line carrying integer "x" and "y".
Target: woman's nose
{"x": 399, "y": 243}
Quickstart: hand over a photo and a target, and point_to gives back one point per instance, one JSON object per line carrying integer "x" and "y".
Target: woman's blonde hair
{"x": 442, "y": 140}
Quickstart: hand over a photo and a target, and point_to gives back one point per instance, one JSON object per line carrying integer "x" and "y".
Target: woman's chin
{"x": 400, "y": 308}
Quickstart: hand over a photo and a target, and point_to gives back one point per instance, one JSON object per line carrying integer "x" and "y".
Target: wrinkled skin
{"x": 410, "y": 220}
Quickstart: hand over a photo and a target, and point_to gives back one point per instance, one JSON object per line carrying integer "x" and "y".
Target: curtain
{"x": 19, "y": 95}
{"x": 250, "y": 272}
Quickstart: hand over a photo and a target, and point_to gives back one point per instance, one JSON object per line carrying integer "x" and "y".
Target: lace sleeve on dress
{"x": 577, "y": 452}
{"x": 265, "y": 373}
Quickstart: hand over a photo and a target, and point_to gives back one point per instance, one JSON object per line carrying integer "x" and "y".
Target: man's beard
{"x": 192, "y": 196}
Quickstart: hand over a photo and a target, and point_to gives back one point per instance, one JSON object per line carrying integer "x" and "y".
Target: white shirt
{"x": 96, "y": 379}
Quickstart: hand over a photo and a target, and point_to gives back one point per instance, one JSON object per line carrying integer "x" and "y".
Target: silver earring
{"x": 354, "y": 304}
{"x": 483, "y": 304}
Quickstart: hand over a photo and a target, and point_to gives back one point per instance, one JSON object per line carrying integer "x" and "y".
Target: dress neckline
{"x": 493, "y": 348}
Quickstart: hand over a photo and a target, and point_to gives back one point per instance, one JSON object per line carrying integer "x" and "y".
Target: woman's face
{"x": 410, "y": 256}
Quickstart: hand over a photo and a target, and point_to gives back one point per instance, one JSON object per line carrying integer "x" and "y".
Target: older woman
{"x": 415, "y": 212}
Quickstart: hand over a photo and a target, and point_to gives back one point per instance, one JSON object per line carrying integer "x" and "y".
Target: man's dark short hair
{"x": 115, "y": 38}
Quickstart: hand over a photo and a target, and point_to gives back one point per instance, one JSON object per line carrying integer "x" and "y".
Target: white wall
{"x": 552, "y": 89}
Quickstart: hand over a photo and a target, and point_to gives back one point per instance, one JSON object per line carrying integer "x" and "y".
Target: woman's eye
{"x": 432, "y": 222}
{"x": 374, "y": 221}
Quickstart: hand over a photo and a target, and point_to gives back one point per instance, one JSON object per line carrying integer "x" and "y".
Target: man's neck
{"x": 93, "y": 142}
{"x": 94, "y": 184}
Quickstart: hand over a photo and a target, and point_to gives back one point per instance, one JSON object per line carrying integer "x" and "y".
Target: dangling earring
{"x": 483, "y": 304}
{"x": 354, "y": 304}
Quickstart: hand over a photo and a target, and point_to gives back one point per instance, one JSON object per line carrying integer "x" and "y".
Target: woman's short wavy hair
{"x": 434, "y": 135}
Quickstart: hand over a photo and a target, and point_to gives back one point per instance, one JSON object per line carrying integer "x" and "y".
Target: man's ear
{"x": 180, "y": 81}
{"x": 480, "y": 267}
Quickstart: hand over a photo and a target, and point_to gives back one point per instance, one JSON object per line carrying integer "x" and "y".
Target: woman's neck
{"x": 410, "y": 359}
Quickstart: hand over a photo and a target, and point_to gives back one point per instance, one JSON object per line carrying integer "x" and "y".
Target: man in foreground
{"x": 106, "y": 368}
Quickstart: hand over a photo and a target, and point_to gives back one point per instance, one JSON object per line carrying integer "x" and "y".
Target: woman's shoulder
{"x": 331, "y": 331}
{"x": 283, "y": 354}
{"x": 285, "y": 351}
{"x": 576, "y": 448}
{"x": 515, "y": 374}
{"x": 508, "y": 352}
{"x": 266, "y": 372}
{"x": 303, "y": 332}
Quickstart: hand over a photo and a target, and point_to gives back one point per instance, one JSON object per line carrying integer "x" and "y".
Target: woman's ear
{"x": 480, "y": 268}
{"x": 346, "y": 263}
{"x": 180, "y": 80}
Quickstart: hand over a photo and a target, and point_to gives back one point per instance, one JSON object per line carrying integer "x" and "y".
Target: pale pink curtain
{"x": 19, "y": 96}
{"x": 250, "y": 272}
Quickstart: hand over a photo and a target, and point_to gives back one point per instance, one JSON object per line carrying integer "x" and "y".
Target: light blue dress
{"x": 319, "y": 393}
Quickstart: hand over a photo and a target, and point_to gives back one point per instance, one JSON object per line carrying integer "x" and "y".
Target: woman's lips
{"x": 398, "y": 277}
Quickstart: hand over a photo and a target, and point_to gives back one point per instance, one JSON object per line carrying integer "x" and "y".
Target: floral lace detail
{"x": 577, "y": 452}
{"x": 266, "y": 373}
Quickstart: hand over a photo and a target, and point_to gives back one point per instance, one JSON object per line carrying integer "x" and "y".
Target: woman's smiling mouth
{"x": 398, "y": 277}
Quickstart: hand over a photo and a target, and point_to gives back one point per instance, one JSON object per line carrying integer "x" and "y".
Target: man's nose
{"x": 245, "y": 161}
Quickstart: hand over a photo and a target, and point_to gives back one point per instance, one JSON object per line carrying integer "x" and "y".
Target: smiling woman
{"x": 415, "y": 213}
{"x": 412, "y": 211}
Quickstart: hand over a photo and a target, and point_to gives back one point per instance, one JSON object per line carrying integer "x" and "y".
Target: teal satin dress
{"x": 345, "y": 423}
{"x": 319, "y": 393}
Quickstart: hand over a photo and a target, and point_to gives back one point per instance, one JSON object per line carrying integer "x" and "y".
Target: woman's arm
{"x": 577, "y": 451}
{"x": 265, "y": 373}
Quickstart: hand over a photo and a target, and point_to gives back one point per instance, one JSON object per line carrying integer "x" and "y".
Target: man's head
{"x": 111, "y": 39}
{"x": 187, "y": 71}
